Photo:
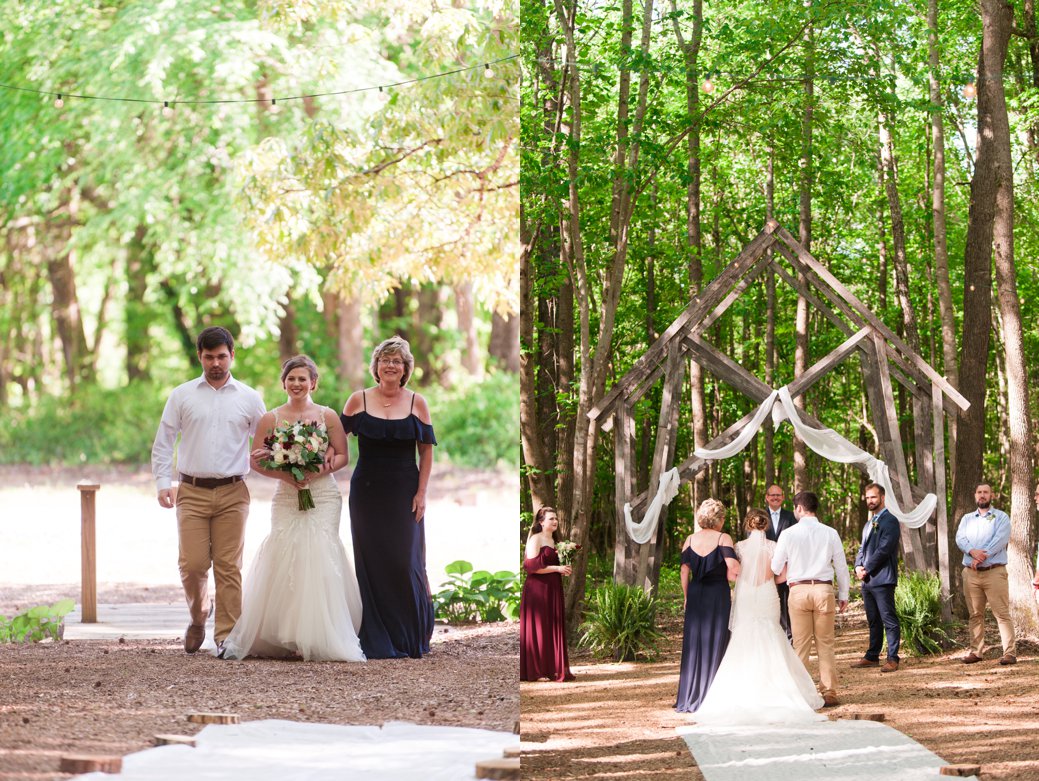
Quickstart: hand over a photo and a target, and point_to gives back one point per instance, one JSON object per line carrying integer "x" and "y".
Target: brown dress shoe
{"x": 889, "y": 666}
{"x": 830, "y": 701}
{"x": 971, "y": 658}
{"x": 864, "y": 662}
{"x": 193, "y": 638}
{"x": 1008, "y": 659}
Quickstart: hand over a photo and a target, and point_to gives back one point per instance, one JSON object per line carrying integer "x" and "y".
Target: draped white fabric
{"x": 643, "y": 531}
{"x": 830, "y": 445}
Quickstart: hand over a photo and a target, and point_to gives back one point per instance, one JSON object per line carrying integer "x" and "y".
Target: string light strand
{"x": 61, "y": 97}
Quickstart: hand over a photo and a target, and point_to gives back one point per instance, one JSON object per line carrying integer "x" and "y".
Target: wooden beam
{"x": 703, "y": 303}
{"x": 623, "y": 486}
{"x": 944, "y": 564}
{"x": 756, "y": 268}
{"x": 663, "y": 453}
{"x": 806, "y": 258}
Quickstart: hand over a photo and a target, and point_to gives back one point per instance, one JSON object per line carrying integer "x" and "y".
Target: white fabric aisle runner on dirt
{"x": 275, "y": 750}
{"x": 845, "y": 750}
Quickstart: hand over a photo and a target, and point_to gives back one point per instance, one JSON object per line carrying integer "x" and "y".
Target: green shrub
{"x": 918, "y": 604}
{"x": 478, "y": 424}
{"x": 619, "y": 623}
{"x": 36, "y": 623}
{"x": 478, "y": 595}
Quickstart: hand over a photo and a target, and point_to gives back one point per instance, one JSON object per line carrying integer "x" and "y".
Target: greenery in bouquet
{"x": 297, "y": 447}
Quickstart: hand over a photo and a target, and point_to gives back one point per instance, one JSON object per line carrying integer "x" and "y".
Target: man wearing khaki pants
{"x": 215, "y": 416}
{"x": 813, "y": 557}
{"x": 983, "y": 536}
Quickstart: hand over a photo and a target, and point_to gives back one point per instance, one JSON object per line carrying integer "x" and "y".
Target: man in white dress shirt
{"x": 983, "y": 536}
{"x": 813, "y": 557}
{"x": 215, "y": 416}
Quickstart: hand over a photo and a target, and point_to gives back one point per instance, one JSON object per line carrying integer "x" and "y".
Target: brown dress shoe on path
{"x": 864, "y": 662}
{"x": 889, "y": 666}
{"x": 830, "y": 701}
{"x": 193, "y": 638}
{"x": 1008, "y": 659}
{"x": 971, "y": 658}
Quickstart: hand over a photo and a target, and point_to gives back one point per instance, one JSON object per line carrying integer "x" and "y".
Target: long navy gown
{"x": 706, "y": 633}
{"x": 389, "y": 546}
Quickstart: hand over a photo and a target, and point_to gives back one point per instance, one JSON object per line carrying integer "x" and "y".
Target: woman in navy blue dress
{"x": 388, "y": 506}
{"x": 708, "y": 565}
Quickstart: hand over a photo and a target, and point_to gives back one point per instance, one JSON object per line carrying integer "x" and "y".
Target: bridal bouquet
{"x": 297, "y": 448}
{"x": 566, "y": 550}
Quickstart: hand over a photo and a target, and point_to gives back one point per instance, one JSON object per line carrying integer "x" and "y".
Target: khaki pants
{"x": 991, "y": 586}
{"x": 211, "y": 526}
{"x": 812, "y": 611}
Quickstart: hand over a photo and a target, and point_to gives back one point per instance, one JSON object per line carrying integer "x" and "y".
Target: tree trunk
{"x": 998, "y": 16}
{"x": 985, "y": 190}
{"x": 693, "y": 229}
{"x": 805, "y": 238}
{"x": 504, "y": 343}
{"x": 941, "y": 251}
{"x": 65, "y": 307}
{"x": 138, "y": 314}
{"x": 288, "y": 333}
{"x": 770, "y": 322}
{"x": 464, "y": 308}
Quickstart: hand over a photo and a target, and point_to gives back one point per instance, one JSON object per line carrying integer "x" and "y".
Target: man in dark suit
{"x": 876, "y": 567}
{"x": 779, "y": 520}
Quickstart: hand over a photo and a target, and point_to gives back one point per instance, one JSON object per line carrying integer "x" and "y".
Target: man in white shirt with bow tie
{"x": 813, "y": 557}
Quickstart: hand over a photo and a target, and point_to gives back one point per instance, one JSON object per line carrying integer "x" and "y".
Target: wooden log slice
{"x": 511, "y": 751}
{"x": 866, "y": 716}
{"x": 174, "y": 740}
{"x": 501, "y": 769}
{"x": 214, "y": 718}
{"x": 960, "y": 770}
{"x": 86, "y": 763}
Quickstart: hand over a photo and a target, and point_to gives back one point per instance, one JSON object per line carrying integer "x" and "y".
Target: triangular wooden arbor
{"x": 885, "y": 359}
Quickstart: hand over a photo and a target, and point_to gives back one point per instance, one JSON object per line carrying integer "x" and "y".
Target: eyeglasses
{"x": 391, "y": 362}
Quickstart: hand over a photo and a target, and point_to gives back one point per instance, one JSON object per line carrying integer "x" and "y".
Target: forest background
{"x": 319, "y": 224}
{"x": 897, "y": 141}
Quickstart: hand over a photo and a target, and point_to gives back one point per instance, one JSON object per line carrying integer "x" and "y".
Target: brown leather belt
{"x": 208, "y": 482}
{"x": 986, "y": 569}
{"x": 810, "y": 582}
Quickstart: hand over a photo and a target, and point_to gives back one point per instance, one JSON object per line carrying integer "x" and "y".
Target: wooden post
{"x": 624, "y": 484}
{"x": 88, "y": 548}
{"x": 944, "y": 564}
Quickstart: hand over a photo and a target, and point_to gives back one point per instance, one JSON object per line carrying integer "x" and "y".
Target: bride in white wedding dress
{"x": 761, "y": 680}
{"x": 301, "y": 596}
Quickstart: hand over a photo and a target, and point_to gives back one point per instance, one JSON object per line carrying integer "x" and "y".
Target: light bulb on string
{"x": 487, "y": 72}
{"x": 58, "y": 102}
{"x": 166, "y": 110}
{"x": 275, "y": 108}
{"x": 970, "y": 91}
{"x": 708, "y": 85}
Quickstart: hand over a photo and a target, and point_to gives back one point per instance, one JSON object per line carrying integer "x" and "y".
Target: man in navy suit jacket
{"x": 877, "y": 567}
{"x": 779, "y": 520}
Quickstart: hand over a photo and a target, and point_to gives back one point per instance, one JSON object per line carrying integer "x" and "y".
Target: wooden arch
{"x": 885, "y": 359}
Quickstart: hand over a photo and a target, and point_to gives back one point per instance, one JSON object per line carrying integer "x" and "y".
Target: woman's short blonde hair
{"x": 755, "y": 520}
{"x": 711, "y": 514}
{"x": 395, "y": 345}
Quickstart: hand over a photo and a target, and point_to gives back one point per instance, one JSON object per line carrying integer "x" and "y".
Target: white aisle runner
{"x": 845, "y": 750}
{"x": 274, "y": 750}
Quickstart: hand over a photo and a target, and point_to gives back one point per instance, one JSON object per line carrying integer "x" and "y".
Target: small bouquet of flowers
{"x": 297, "y": 447}
{"x": 566, "y": 551}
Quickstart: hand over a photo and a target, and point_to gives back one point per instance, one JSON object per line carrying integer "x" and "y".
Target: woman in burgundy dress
{"x": 542, "y": 623}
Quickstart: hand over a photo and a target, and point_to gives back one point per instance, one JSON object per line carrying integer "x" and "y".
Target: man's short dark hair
{"x": 878, "y": 486}
{"x": 807, "y": 501}
{"x": 213, "y": 337}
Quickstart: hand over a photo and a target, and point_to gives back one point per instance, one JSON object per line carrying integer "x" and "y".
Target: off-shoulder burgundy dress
{"x": 542, "y": 623}
{"x": 389, "y": 546}
{"x": 706, "y": 630}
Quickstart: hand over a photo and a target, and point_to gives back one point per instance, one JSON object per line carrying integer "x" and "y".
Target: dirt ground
{"x": 616, "y": 720}
{"x": 101, "y": 697}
